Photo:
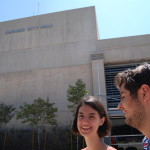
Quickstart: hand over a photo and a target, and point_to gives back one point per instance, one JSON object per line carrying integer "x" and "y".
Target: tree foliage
{"x": 39, "y": 114}
{"x": 6, "y": 114}
{"x": 75, "y": 93}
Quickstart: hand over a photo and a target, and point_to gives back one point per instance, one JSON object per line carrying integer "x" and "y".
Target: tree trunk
{"x": 45, "y": 138}
{"x": 33, "y": 139}
{"x": 71, "y": 142}
{"x": 38, "y": 139}
{"x": 4, "y": 140}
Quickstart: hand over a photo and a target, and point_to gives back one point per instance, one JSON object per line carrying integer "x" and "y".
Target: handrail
{"x": 116, "y": 139}
{"x": 127, "y": 144}
{"x": 125, "y": 135}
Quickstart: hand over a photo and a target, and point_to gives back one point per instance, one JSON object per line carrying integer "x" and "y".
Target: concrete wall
{"x": 69, "y": 41}
{"x": 42, "y": 55}
{"x": 43, "y": 62}
{"x": 67, "y": 26}
{"x": 136, "y": 48}
{"x": 20, "y": 87}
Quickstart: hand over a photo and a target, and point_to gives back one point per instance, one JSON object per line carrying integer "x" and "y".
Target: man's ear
{"x": 145, "y": 93}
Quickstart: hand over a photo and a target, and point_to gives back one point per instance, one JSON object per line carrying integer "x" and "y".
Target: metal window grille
{"x": 113, "y": 95}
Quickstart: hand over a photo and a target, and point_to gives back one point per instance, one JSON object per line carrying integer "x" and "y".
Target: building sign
{"x": 28, "y": 29}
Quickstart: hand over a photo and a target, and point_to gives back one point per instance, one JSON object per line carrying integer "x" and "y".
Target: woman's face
{"x": 88, "y": 121}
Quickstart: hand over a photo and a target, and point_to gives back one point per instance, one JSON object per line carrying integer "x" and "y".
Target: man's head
{"x": 134, "y": 87}
{"x": 134, "y": 79}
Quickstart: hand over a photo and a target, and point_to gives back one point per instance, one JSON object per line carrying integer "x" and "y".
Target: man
{"x": 134, "y": 87}
{"x": 146, "y": 143}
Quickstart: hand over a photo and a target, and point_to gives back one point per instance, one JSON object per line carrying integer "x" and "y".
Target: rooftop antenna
{"x": 38, "y": 8}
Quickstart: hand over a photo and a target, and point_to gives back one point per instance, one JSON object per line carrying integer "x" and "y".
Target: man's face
{"x": 132, "y": 108}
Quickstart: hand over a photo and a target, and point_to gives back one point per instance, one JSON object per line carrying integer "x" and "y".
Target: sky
{"x": 116, "y": 18}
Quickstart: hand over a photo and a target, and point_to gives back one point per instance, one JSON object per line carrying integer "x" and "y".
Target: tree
{"x": 6, "y": 114}
{"x": 75, "y": 93}
{"x": 37, "y": 115}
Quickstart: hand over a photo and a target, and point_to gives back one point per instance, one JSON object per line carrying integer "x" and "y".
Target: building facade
{"x": 41, "y": 56}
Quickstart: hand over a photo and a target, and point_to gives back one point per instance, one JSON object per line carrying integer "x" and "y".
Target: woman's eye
{"x": 80, "y": 116}
{"x": 92, "y": 117}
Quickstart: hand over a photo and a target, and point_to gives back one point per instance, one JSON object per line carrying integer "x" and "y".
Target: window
{"x": 113, "y": 95}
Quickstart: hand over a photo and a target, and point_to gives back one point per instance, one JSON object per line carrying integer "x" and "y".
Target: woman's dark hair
{"x": 98, "y": 106}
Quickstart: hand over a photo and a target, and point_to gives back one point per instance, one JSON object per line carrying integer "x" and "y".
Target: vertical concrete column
{"x": 99, "y": 87}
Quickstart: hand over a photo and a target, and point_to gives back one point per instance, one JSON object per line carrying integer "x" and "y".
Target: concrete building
{"x": 41, "y": 56}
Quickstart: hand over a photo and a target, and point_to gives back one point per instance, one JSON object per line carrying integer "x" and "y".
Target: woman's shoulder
{"x": 84, "y": 149}
{"x": 111, "y": 148}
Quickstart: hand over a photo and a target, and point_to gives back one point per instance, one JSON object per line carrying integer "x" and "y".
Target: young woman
{"x": 91, "y": 121}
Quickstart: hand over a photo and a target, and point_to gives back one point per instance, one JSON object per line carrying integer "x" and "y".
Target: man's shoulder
{"x": 146, "y": 140}
{"x": 146, "y": 143}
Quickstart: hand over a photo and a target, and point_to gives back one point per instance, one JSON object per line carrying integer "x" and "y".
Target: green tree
{"x": 6, "y": 114}
{"x": 38, "y": 115}
{"x": 75, "y": 93}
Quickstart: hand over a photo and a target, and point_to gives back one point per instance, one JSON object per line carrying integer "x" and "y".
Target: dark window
{"x": 113, "y": 95}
